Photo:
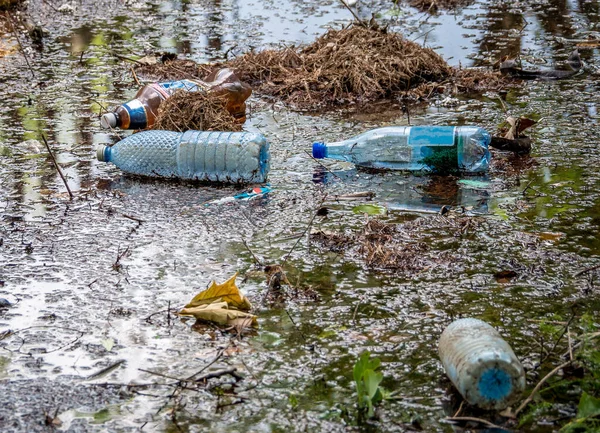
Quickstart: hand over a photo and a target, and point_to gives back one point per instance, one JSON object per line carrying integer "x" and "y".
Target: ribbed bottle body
{"x": 234, "y": 157}
{"x": 413, "y": 148}
{"x": 481, "y": 364}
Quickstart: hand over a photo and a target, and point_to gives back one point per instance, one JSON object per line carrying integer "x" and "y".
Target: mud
{"x": 94, "y": 280}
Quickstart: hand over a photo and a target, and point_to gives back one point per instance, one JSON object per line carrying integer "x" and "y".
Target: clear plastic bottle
{"x": 414, "y": 148}
{"x": 141, "y": 112}
{"x": 481, "y": 364}
{"x": 233, "y": 157}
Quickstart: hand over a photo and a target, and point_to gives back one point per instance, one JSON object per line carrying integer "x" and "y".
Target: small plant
{"x": 367, "y": 381}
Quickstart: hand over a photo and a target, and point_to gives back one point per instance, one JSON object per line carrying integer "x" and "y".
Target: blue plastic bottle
{"x": 413, "y": 148}
{"x": 481, "y": 364}
{"x": 233, "y": 157}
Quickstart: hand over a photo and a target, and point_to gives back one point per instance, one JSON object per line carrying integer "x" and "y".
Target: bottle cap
{"x": 101, "y": 153}
{"x": 319, "y": 150}
{"x": 108, "y": 120}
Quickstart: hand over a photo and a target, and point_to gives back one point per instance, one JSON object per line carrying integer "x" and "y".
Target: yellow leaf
{"x": 227, "y": 292}
{"x": 217, "y": 312}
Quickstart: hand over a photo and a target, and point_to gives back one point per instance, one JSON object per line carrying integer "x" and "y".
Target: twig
{"x": 106, "y": 370}
{"x": 355, "y": 311}
{"x": 586, "y": 270}
{"x": 460, "y": 408}
{"x": 256, "y": 260}
{"x": 129, "y": 59}
{"x": 51, "y": 5}
{"x": 135, "y": 78}
{"x": 216, "y": 358}
{"x": 570, "y": 344}
{"x": 169, "y": 314}
{"x": 526, "y": 187}
{"x": 218, "y": 373}
{"x": 305, "y": 231}
{"x": 558, "y": 339}
{"x": 321, "y": 164}
{"x": 166, "y": 376}
{"x": 470, "y": 418}
{"x": 539, "y": 385}
{"x": 361, "y": 22}
{"x": 14, "y": 30}
{"x": 295, "y": 326}
{"x": 139, "y": 220}
{"x": 62, "y": 176}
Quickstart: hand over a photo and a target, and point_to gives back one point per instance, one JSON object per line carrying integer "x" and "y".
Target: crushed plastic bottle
{"x": 481, "y": 364}
{"x": 231, "y": 157}
{"x": 141, "y": 112}
{"x": 414, "y": 148}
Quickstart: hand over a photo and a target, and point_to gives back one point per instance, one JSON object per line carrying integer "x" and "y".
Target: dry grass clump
{"x": 380, "y": 248}
{"x": 172, "y": 69}
{"x": 402, "y": 248}
{"x": 354, "y": 64}
{"x": 200, "y": 111}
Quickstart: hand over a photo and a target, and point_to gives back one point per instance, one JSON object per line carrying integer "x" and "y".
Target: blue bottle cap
{"x": 319, "y": 150}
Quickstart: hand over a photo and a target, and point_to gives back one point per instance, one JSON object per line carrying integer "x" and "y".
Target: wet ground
{"x": 91, "y": 280}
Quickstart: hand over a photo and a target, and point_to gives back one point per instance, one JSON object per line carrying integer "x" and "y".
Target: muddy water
{"x": 91, "y": 279}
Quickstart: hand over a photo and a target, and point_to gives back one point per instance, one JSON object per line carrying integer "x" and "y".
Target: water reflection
{"x": 413, "y": 193}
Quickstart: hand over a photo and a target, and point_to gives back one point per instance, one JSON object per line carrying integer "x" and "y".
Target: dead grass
{"x": 474, "y": 80}
{"x": 380, "y": 248}
{"x": 402, "y": 248}
{"x": 354, "y": 64}
{"x": 195, "y": 111}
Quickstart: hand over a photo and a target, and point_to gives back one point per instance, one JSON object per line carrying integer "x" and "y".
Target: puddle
{"x": 91, "y": 280}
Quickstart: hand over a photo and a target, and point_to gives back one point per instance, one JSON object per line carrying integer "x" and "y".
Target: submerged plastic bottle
{"x": 480, "y": 364}
{"x": 413, "y": 148}
{"x": 234, "y": 157}
{"x": 141, "y": 112}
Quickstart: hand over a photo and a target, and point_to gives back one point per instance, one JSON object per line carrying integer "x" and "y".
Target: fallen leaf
{"x": 227, "y": 292}
{"x": 517, "y": 126}
{"x": 219, "y": 312}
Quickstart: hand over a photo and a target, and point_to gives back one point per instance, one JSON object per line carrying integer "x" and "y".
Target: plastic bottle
{"x": 413, "y": 148}
{"x": 480, "y": 364}
{"x": 234, "y": 157}
{"x": 141, "y": 112}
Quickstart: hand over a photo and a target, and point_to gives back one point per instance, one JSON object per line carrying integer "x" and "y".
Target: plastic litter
{"x": 141, "y": 112}
{"x": 259, "y": 191}
{"x": 414, "y": 148}
{"x": 481, "y": 364}
{"x": 231, "y": 157}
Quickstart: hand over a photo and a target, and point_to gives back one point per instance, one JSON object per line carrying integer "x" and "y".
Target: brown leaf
{"x": 227, "y": 292}
{"x": 218, "y": 312}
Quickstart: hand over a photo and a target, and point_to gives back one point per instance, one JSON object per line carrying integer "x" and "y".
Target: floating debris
{"x": 354, "y": 64}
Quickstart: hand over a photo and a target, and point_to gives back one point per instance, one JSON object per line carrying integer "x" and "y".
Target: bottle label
{"x": 436, "y": 146}
{"x": 138, "y": 117}
{"x": 171, "y": 87}
{"x": 431, "y": 136}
